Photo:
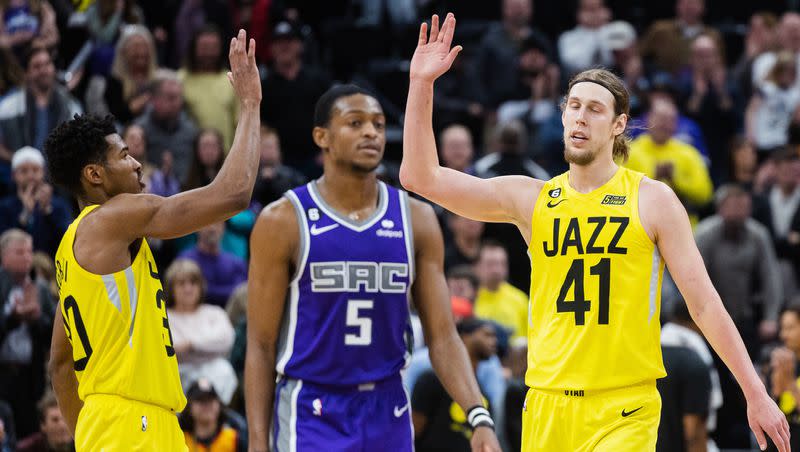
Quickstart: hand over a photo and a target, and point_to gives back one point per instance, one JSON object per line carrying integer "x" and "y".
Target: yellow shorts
{"x": 624, "y": 419}
{"x": 109, "y": 423}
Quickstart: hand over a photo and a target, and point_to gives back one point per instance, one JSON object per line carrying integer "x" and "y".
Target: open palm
{"x": 433, "y": 56}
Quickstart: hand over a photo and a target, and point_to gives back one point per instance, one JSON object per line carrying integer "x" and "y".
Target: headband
{"x": 598, "y": 82}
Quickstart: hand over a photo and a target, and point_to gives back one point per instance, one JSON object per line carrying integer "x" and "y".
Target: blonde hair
{"x": 13, "y": 235}
{"x": 119, "y": 67}
{"x": 184, "y": 269}
{"x": 237, "y": 304}
{"x": 622, "y": 103}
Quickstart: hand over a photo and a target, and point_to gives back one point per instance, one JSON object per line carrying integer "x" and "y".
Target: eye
{"x": 355, "y": 123}
{"x": 380, "y": 125}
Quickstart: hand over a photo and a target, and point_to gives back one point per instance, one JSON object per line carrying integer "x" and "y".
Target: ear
{"x": 93, "y": 173}
{"x": 620, "y": 123}
{"x": 321, "y": 137}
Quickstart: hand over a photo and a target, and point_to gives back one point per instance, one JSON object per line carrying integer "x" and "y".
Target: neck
{"x": 492, "y": 287}
{"x": 348, "y": 190}
{"x": 585, "y": 178}
{"x": 91, "y": 199}
{"x": 744, "y": 175}
{"x": 208, "y": 248}
{"x": 689, "y": 23}
{"x": 18, "y": 278}
{"x": 41, "y": 95}
{"x": 204, "y": 429}
{"x": 787, "y": 189}
{"x": 288, "y": 68}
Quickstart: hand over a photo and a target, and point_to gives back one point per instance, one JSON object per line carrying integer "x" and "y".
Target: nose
{"x": 580, "y": 116}
{"x": 369, "y": 130}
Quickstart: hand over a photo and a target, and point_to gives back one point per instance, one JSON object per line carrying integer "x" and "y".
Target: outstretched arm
{"x": 448, "y": 355}
{"x": 670, "y": 226}
{"x": 506, "y": 199}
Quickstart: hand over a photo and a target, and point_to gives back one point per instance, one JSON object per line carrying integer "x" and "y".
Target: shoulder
{"x": 211, "y": 310}
{"x": 658, "y": 205}
{"x": 277, "y": 223}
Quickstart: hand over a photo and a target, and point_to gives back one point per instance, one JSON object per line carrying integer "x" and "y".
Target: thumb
{"x": 230, "y": 77}
{"x": 762, "y": 441}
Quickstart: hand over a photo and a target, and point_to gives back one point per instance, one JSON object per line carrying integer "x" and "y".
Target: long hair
{"x": 184, "y": 269}
{"x": 622, "y": 102}
{"x": 197, "y": 177}
{"x": 119, "y": 67}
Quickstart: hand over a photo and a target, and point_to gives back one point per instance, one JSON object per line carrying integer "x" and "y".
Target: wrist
{"x": 249, "y": 104}
{"x": 420, "y": 81}
{"x": 754, "y": 389}
{"x": 478, "y": 416}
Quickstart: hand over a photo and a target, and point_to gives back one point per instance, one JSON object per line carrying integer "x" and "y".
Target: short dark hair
{"x": 323, "y": 111}
{"x": 47, "y": 402}
{"x": 31, "y": 52}
{"x": 75, "y": 144}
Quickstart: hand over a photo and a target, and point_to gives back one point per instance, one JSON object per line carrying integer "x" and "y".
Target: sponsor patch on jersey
{"x": 614, "y": 200}
{"x": 554, "y": 193}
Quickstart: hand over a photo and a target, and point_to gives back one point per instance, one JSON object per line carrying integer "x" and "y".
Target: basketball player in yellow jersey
{"x": 597, "y": 236}
{"x": 113, "y": 363}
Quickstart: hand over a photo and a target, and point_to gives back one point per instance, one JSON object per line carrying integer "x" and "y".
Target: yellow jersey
{"x": 507, "y": 306}
{"x": 595, "y": 289}
{"x": 117, "y": 325}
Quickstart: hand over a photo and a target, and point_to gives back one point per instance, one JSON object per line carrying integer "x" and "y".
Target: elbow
{"x": 407, "y": 178}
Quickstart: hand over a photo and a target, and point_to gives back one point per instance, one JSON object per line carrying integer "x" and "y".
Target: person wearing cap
{"x": 291, "y": 88}
{"x": 439, "y": 423}
{"x": 583, "y": 47}
{"x": 34, "y": 208}
{"x": 53, "y": 104}
{"x": 620, "y": 39}
{"x": 204, "y": 422}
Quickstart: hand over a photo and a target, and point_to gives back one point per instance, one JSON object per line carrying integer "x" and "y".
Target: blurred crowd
{"x": 715, "y": 106}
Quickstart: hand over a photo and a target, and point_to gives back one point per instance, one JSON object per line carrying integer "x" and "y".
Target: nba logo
{"x": 144, "y": 423}
{"x": 317, "y": 405}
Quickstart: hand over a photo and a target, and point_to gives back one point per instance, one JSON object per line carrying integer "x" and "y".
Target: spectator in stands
{"x": 463, "y": 283}
{"x": 44, "y": 269}
{"x": 50, "y": 104}
{"x": 202, "y": 334}
{"x": 134, "y": 137}
{"x": 666, "y": 43}
{"x": 237, "y": 313}
{"x": 516, "y": 393}
{"x": 620, "y": 38}
{"x": 274, "y": 178}
{"x": 290, "y": 92}
{"x": 439, "y": 423}
{"x": 784, "y": 371}
{"x": 8, "y": 435}
{"x": 54, "y": 434}
{"x": 499, "y": 49}
{"x": 741, "y": 262}
{"x": 772, "y": 105}
{"x": 456, "y": 148}
{"x": 127, "y": 91}
{"x": 709, "y": 100}
{"x": 788, "y": 41}
{"x": 207, "y": 157}
{"x": 459, "y": 96}
{"x": 401, "y": 13}
{"x": 743, "y": 162}
{"x": 11, "y": 74}
{"x": 222, "y": 271}
{"x": 783, "y": 199}
{"x": 192, "y": 17}
{"x": 34, "y": 207}
{"x": 583, "y": 47}
{"x": 204, "y": 422}
{"x": 26, "y": 23}
{"x": 498, "y": 300}
{"x": 464, "y": 244}
{"x": 660, "y": 156}
{"x": 761, "y": 37}
{"x": 509, "y": 157}
{"x": 167, "y": 127}
{"x": 685, "y": 392}
{"x": 104, "y": 20}
{"x": 209, "y": 96}
{"x": 26, "y": 321}
{"x": 164, "y": 181}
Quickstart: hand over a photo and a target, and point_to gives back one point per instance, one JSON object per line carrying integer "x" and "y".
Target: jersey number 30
{"x": 580, "y": 305}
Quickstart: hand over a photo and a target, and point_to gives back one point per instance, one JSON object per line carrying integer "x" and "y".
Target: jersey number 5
{"x": 364, "y": 324}
{"x": 580, "y": 305}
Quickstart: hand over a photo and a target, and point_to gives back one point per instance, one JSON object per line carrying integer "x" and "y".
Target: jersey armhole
{"x": 537, "y": 207}
{"x": 636, "y": 214}
{"x": 302, "y": 226}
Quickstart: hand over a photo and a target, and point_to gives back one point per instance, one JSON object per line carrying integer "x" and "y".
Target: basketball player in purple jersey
{"x": 334, "y": 265}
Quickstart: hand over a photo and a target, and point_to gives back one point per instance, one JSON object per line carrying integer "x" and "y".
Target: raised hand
{"x": 433, "y": 56}
{"x": 244, "y": 71}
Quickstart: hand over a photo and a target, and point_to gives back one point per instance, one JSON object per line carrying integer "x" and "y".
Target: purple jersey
{"x": 346, "y": 320}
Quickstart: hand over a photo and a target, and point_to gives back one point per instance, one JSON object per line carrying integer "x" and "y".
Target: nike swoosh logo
{"x": 399, "y": 411}
{"x": 317, "y": 231}
{"x": 550, "y": 203}
{"x": 626, "y": 414}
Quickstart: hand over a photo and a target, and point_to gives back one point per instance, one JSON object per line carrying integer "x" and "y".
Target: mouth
{"x": 578, "y": 137}
{"x": 370, "y": 147}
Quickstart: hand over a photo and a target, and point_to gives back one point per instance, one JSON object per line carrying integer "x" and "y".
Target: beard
{"x": 578, "y": 157}
{"x": 364, "y": 168}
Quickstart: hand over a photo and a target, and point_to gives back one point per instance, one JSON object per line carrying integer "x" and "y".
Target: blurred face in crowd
{"x": 663, "y": 121}
{"x": 761, "y": 33}
{"x": 287, "y": 50}
{"x": 482, "y": 342}
{"x": 787, "y": 174}
{"x": 745, "y": 158}
{"x": 210, "y": 236}
{"x": 465, "y": 228}
{"x": 41, "y": 73}
{"x": 207, "y": 50}
{"x": 517, "y": 13}
{"x": 137, "y": 54}
{"x": 492, "y": 267}
{"x": 532, "y": 62}
{"x": 690, "y": 11}
{"x": 168, "y": 100}
{"x": 789, "y": 32}
{"x": 270, "y": 149}
{"x": 735, "y": 209}
{"x": 456, "y": 148}
{"x": 209, "y": 149}
{"x": 462, "y": 287}
{"x": 790, "y": 331}
{"x": 137, "y": 145}
{"x": 55, "y": 428}
{"x": 186, "y": 290}
{"x": 28, "y": 174}
{"x": 17, "y": 257}
{"x": 592, "y": 13}
{"x": 590, "y": 123}
{"x": 356, "y": 134}
{"x": 206, "y": 410}
{"x": 705, "y": 56}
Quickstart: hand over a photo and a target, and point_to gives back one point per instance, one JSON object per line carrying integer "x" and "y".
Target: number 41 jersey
{"x": 595, "y": 289}
{"x": 346, "y": 319}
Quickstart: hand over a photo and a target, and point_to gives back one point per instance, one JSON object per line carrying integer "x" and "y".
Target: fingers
{"x": 251, "y": 51}
{"x": 448, "y": 29}
{"x": 762, "y": 442}
{"x": 230, "y": 77}
{"x": 453, "y": 54}
{"x": 423, "y": 34}
{"x": 777, "y": 435}
{"x": 434, "y": 28}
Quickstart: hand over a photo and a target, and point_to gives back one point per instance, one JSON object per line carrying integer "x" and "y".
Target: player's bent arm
{"x": 430, "y": 294}
{"x": 62, "y": 374}
{"x": 506, "y": 199}
{"x": 273, "y": 245}
{"x": 145, "y": 215}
